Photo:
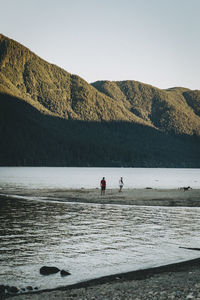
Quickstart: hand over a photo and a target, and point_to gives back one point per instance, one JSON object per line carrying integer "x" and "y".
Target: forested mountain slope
{"x": 52, "y": 90}
{"x": 175, "y": 109}
{"x": 51, "y": 117}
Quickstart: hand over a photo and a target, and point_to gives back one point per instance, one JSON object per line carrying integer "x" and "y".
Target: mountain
{"x": 52, "y": 90}
{"x": 51, "y": 117}
{"x": 172, "y": 110}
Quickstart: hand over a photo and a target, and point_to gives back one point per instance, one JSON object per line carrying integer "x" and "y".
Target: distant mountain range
{"x": 50, "y": 117}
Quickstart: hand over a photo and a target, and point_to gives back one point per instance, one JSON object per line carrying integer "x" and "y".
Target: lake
{"x": 91, "y": 240}
{"x": 40, "y": 177}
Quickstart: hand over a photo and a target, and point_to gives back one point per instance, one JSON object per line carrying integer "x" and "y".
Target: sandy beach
{"x": 146, "y": 197}
{"x": 175, "y": 281}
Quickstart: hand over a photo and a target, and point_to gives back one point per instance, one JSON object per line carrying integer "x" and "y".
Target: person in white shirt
{"x": 121, "y": 184}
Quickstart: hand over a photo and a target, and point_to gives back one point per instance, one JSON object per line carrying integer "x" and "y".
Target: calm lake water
{"x": 90, "y": 240}
{"x": 40, "y": 177}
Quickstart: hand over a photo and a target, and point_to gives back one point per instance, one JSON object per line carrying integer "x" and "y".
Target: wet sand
{"x": 146, "y": 197}
{"x": 175, "y": 281}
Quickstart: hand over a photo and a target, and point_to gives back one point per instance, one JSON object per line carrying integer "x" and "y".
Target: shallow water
{"x": 89, "y": 240}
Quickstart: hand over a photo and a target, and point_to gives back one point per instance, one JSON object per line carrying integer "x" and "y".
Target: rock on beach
{"x": 49, "y": 270}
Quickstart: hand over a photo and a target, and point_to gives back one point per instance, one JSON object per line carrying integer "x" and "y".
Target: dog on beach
{"x": 187, "y": 188}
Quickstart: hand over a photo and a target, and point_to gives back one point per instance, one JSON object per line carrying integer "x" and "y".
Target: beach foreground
{"x": 175, "y": 281}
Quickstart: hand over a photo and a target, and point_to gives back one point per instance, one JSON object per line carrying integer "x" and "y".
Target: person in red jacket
{"x": 103, "y": 186}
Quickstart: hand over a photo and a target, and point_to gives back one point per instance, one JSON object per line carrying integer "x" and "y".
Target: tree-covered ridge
{"x": 49, "y": 117}
{"x": 53, "y": 90}
{"x": 175, "y": 109}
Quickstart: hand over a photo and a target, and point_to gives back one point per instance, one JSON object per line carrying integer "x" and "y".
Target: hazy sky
{"x": 153, "y": 41}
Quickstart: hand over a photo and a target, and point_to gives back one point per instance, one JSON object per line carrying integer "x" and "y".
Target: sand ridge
{"x": 144, "y": 197}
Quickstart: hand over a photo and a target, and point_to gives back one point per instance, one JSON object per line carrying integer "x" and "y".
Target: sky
{"x": 152, "y": 41}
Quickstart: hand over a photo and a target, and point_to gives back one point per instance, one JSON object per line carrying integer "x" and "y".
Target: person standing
{"x": 121, "y": 184}
{"x": 103, "y": 186}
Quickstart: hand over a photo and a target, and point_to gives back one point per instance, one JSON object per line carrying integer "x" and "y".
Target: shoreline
{"x": 141, "y": 197}
{"x": 115, "y": 283}
{"x": 160, "y": 282}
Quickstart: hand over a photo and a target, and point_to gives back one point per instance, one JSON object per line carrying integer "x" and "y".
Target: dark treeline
{"x": 30, "y": 138}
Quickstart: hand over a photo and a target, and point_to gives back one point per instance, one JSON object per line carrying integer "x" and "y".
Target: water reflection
{"x": 89, "y": 240}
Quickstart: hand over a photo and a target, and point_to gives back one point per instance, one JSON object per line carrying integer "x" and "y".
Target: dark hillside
{"x": 49, "y": 117}
{"x": 34, "y": 139}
